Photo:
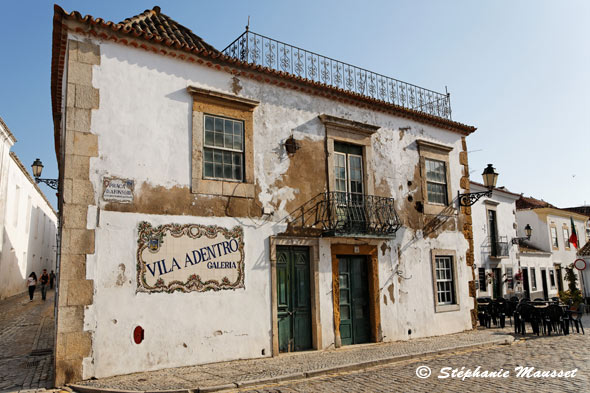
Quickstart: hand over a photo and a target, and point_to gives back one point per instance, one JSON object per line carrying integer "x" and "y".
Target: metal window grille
{"x": 223, "y": 152}
{"x": 444, "y": 280}
{"x": 436, "y": 181}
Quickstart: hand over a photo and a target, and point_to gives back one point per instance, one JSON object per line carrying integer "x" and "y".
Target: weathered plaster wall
{"x": 143, "y": 132}
{"x": 29, "y": 228}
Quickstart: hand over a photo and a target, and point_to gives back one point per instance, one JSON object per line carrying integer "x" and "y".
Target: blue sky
{"x": 517, "y": 70}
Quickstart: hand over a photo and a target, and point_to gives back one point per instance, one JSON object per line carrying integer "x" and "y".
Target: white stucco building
{"x": 28, "y": 223}
{"x": 544, "y": 257}
{"x": 494, "y": 228}
{"x": 219, "y": 206}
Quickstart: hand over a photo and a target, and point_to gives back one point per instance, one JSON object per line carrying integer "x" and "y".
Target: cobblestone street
{"x": 26, "y": 342}
{"x": 543, "y": 353}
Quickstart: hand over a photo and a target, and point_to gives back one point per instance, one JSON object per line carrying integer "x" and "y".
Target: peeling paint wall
{"x": 144, "y": 130}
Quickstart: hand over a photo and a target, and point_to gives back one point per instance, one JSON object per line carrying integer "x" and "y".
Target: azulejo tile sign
{"x": 118, "y": 190}
{"x": 189, "y": 258}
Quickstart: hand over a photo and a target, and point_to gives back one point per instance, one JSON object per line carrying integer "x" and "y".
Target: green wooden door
{"x": 293, "y": 299}
{"x": 355, "y": 325}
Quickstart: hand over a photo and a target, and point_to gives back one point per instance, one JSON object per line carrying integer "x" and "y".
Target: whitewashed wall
{"x": 504, "y": 205}
{"x": 29, "y": 233}
{"x": 144, "y": 133}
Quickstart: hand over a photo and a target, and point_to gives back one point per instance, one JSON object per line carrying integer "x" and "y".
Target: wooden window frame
{"x": 455, "y": 306}
{"x": 434, "y": 151}
{"x": 209, "y": 102}
{"x": 354, "y": 133}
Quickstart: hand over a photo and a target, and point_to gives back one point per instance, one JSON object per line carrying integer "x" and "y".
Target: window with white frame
{"x": 554, "y": 242}
{"x": 436, "y": 181}
{"x": 566, "y": 237}
{"x": 445, "y": 290}
{"x": 223, "y": 148}
{"x": 533, "y": 278}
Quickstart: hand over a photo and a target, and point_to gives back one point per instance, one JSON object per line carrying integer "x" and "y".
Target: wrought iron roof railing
{"x": 347, "y": 214}
{"x": 257, "y": 49}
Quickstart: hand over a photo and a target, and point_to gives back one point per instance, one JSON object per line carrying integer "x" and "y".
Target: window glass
{"x": 223, "y": 149}
{"x": 566, "y": 237}
{"x": 436, "y": 181}
{"x": 483, "y": 284}
{"x": 509, "y": 278}
{"x": 552, "y": 277}
{"x": 533, "y": 278}
{"x": 444, "y": 279}
{"x": 554, "y": 237}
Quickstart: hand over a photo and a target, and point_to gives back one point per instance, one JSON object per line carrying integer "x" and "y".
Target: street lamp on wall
{"x": 490, "y": 177}
{"x": 37, "y": 169}
{"x": 528, "y": 232}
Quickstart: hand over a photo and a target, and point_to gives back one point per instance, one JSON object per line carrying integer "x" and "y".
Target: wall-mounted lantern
{"x": 291, "y": 145}
{"x": 490, "y": 177}
{"x": 528, "y": 232}
{"x": 37, "y": 169}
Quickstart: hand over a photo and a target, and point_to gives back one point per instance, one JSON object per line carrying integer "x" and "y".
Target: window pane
{"x": 208, "y": 155}
{"x": 237, "y": 159}
{"x": 237, "y": 141}
{"x": 218, "y": 156}
{"x": 237, "y": 173}
{"x": 227, "y": 157}
{"x": 208, "y": 123}
{"x": 209, "y": 138}
{"x": 218, "y": 170}
{"x": 227, "y": 172}
{"x": 208, "y": 169}
{"x": 219, "y": 139}
{"x": 229, "y": 143}
{"x": 437, "y": 193}
{"x": 218, "y": 124}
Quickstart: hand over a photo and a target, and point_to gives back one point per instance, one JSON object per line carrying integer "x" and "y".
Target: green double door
{"x": 293, "y": 299}
{"x": 355, "y": 325}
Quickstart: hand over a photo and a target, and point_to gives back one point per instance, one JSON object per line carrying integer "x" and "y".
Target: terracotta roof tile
{"x": 585, "y": 251}
{"x": 532, "y": 203}
{"x": 154, "y": 23}
{"x": 585, "y": 210}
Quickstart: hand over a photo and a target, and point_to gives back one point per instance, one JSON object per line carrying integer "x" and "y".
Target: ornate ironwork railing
{"x": 499, "y": 248}
{"x": 260, "y": 50}
{"x": 346, "y": 214}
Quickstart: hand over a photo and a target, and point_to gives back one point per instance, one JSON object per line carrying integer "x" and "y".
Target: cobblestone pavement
{"x": 26, "y": 342}
{"x": 543, "y": 353}
{"x": 255, "y": 369}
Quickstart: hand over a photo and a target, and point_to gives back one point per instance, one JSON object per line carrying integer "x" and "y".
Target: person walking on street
{"x": 44, "y": 283}
{"x": 51, "y": 279}
{"x": 32, "y": 284}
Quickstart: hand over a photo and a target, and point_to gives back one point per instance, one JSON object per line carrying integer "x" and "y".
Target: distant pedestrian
{"x": 51, "y": 279}
{"x": 32, "y": 284}
{"x": 44, "y": 283}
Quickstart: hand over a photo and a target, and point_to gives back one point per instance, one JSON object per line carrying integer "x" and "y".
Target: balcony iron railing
{"x": 259, "y": 50}
{"x": 346, "y": 214}
{"x": 500, "y": 247}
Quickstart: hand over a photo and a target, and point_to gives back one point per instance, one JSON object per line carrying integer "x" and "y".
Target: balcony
{"x": 341, "y": 214}
{"x": 262, "y": 51}
{"x": 499, "y": 248}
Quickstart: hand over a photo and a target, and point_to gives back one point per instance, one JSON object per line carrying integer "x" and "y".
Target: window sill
{"x": 225, "y": 188}
{"x": 446, "y": 307}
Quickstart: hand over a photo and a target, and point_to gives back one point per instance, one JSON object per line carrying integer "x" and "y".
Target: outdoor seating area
{"x": 535, "y": 316}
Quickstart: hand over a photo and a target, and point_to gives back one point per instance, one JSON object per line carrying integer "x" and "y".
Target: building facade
{"x": 28, "y": 223}
{"x": 494, "y": 228}
{"x": 215, "y": 208}
{"x": 549, "y": 251}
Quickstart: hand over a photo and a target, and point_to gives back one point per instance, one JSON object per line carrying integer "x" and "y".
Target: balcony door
{"x": 493, "y": 232}
{"x": 348, "y": 168}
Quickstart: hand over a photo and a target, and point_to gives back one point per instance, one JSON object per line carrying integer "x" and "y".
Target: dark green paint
{"x": 355, "y": 325}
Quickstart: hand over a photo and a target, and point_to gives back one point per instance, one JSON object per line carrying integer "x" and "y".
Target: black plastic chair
{"x": 575, "y": 317}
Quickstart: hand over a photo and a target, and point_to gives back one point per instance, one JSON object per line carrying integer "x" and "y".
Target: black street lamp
{"x": 490, "y": 177}
{"x": 528, "y": 232}
{"x": 37, "y": 169}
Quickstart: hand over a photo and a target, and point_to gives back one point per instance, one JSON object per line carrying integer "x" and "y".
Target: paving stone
{"x": 26, "y": 342}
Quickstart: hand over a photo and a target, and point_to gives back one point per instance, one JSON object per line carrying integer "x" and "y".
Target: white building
{"x": 27, "y": 223}
{"x": 215, "y": 208}
{"x": 584, "y": 284}
{"x": 548, "y": 252}
{"x": 494, "y": 228}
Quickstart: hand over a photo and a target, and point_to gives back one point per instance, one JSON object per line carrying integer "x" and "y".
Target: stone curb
{"x": 303, "y": 375}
